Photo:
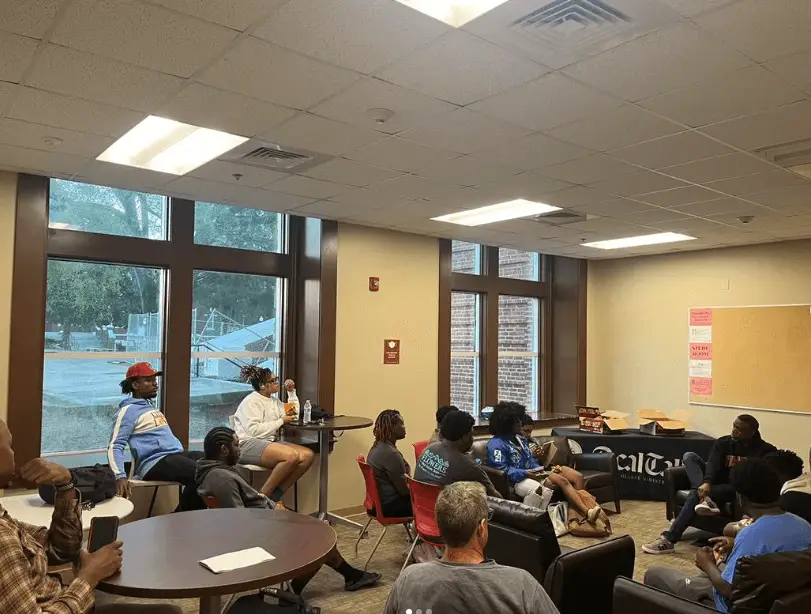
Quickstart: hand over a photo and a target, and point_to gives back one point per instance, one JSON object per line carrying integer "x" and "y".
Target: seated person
{"x": 257, "y": 421}
{"x": 713, "y": 479}
{"x": 795, "y": 496}
{"x": 158, "y": 455}
{"x": 389, "y": 465}
{"x": 440, "y": 414}
{"x": 509, "y": 451}
{"x": 464, "y": 581}
{"x": 447, "y": 461}
{"x": 217, "y": 477}
{"x": 27, "y": 550}
{"x": 758, "y": 488}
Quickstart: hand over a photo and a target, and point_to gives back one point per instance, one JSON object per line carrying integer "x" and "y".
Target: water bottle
{"x": 308, "y": 411}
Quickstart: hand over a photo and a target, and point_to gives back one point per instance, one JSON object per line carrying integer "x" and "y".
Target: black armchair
{"x": 678, "y": 489}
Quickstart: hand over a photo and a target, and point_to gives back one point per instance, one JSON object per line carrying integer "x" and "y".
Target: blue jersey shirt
{"x": 512, "y": 455}
{"x": 768, "y": 534}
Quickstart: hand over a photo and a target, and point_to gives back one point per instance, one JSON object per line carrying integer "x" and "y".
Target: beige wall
{"x": 637, "y": 313}
{"x": 405, "y": 308}
{"x": 8, "y": 198}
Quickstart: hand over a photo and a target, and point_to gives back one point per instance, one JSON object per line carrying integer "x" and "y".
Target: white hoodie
{"x": 260, "y": 417}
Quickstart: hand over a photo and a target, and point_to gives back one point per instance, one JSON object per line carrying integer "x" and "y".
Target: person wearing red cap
{"x": 157, "y": 453}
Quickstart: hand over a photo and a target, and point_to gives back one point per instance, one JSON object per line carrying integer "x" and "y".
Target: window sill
{"x": 541, "y": 421}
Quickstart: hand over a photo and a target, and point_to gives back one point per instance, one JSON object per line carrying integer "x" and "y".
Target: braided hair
{"x": 504, "y": 418}
{"x": 255, "y": 376}
{"x": 216, "y": 438}
{"x": 384, "y": 424}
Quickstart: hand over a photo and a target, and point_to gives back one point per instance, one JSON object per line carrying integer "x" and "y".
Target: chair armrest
{"x": 676, "y": 479}
{"x": 607, "y": 463}
{"x": 499, "y": 480}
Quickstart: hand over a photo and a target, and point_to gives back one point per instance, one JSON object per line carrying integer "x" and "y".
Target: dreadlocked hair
{"x": 504, "y": 418}
{"x": 216, "y": 438}
{"x": 384, "y": 424}
{"x": 255, "y": 376}
{"x": 126, "y": 385}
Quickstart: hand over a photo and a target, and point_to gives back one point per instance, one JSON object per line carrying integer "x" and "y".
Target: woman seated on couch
{"x": 509, "y": 451}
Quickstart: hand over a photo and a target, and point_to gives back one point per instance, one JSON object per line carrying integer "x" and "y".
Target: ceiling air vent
{"x": 274, "y": 157}
{"x": 559, "y": 218}
{"x": 794, "y": 156}
{"x": 573, "y": 24}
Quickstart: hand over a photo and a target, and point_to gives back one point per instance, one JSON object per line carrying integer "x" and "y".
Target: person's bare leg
{"x": 304, "y": 461}
{"x": 282, "y": 462}
{"x": 569, "y": 492}
{"x": 574, "y": 477}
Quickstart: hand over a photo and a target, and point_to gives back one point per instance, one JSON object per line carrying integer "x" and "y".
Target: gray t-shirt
{"x": 444, "y": 465}
{"x": 448, "y": 588}
{"x": 390, "y": 469}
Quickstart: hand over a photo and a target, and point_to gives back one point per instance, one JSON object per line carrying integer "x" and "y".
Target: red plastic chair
{"x": 211, "y": 502}
{"x": 372, "y": 502}
{"x": 423, "y": 501}
{"x": 419, "y": 448}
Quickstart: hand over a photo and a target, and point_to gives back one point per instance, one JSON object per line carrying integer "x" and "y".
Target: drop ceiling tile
{"x": 615, "y": 207}
{"x": 654, "y": 216}
{"x": 401, "y": 155}
{"x": 720, "y": 167}
{"x": 29, "y": 18}
{"x": 658, "y": 62}
{"x": 124, "y": 177}
{"x": 412, "y": 187}
{"x": 464, "y": 131}
{"x": 7, "y": 92}
{"x": 691, "y": 8}
{"x": 141, "y": 34}
{"x": 467, "y": 171}
{"x": 235, "y": 14}
{"x": 307, "y": 186}
{"x": 201, "y": 105}
{"x": 671, "y": 150}
{"x": 761, "y": 220}
{"x": 83, "y": 75}
{"x": 16, "y": 53}
{"x": 258, "y": 69}
{"x": 251, "y": 176}
{"x": 678, "y": 196}
{"x": 329, "y": 210}
{"x": 361, "y": 35}
{"x": 534, "y": 151}
{"x": 39, "y": 162}
{"x": 225, "y": 193}
{"x": 692, "y": 226}
{"x": 762, "y": 30}
{"x": 314, "y": 133}
{"x": 591, "y": 169}
{"x": 639, "y": 183}
{"x": 577, "y": 196}
{"x": 52, "y": 109}
{"x": 364, "y": 198}
{"x": 789, "y": 198}
{"x": 742, "y": 92}
{"x": 778, "y": 126}
{"x": 530, "y": 186}
{"x": 760, "y": 182}
{"x": 350, "y": 173}
{"x": 547, "y": 102}
{"x": 718, "y": 207}
{"x": 531, "y": 228}
{"x": 34, "y": 136}
{"x": 606, "y": 228}
{"x": 795, "y": 68}
{"x": 461, "y": 69}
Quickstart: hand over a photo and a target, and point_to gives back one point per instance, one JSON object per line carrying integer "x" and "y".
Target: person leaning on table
{"x": 26, "y": 550}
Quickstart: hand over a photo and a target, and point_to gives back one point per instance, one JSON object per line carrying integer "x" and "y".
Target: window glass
{"x": 465, "y": 335}
{"x": 100, "y": 319}
{"x": 238, "y": 227}
{"x": 93, "y": 208}
{"x": 466, "y": 257}
{"x": 518, "y": 342}
{"x": 518, "y": 264}
{"x": 236, "y": 320}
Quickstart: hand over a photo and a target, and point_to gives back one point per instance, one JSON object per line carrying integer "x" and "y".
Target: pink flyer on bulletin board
{"x": 701, "y": 317}
{"x": 701, "y": 386}
{"x": 701, "y": 351}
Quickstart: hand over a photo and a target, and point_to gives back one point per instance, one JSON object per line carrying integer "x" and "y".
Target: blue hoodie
{"x": 511, "y": 454}
{"x": 143, "y": 428}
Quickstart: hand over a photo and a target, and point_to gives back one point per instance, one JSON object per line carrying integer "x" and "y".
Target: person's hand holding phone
{"x": 101, "y": 564}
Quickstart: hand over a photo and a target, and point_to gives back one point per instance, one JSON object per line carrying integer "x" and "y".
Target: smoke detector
{"x": 380, "y": 116}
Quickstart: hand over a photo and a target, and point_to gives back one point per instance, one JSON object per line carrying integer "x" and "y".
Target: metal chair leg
{"x": 361, "y": 534}
{"x": 152, "y": 503}
{"x": 410, "y": 553}
{"x": 295, "y": 496}
{"x": 411, "y": 537}
{"x": 377, "y": 543}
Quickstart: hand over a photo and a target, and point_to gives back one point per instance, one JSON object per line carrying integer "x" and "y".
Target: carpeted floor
{"x": 642, "y": 520}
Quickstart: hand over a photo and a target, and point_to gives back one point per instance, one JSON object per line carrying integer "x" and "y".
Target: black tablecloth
{"x": 641, "y": 459}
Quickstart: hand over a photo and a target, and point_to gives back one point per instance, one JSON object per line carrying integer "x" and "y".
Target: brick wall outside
{"x": 517, "y": 321}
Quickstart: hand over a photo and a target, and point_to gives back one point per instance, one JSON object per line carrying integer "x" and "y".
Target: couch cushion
{"x": 597, "y": 479}
{"x": 519, "y": 516}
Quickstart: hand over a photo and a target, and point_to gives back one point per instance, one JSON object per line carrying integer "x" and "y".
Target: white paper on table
{"x": 237, "y": 560}
{"x": 700, "y": 368}
{"x": 701, "y": 334}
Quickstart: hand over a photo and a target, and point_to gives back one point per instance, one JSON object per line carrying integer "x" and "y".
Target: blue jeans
{"x": 720, "y": 493}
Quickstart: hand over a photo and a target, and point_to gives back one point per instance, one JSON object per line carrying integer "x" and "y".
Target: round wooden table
{"x": 324, "y": 428}
{"x": 33, "y": 510}
{"x": 162, "y": 554}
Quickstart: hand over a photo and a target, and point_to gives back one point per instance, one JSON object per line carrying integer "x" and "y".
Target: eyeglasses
{"x": 273, "y": 380}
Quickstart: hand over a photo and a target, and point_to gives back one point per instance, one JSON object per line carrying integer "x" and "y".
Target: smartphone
{"x": 103, "y": 531}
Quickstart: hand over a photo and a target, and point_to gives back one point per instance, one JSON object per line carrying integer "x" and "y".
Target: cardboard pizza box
{"x": 593, "y": 420}
{"x": 657, "y": 422}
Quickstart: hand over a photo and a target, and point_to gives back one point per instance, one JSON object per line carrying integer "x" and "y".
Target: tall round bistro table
{"x": 324, "y": 428}
{"x": 162, "y": 554}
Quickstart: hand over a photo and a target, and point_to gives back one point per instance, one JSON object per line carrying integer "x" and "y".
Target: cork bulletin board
{"x": 751, "y": 357}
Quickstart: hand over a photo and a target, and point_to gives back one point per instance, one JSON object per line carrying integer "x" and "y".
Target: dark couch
{"x": 678, "y": 489}
{"x": 599, "y": 470}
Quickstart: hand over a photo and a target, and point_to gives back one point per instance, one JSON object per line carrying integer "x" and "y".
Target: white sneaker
{"x": 707, "y": 508}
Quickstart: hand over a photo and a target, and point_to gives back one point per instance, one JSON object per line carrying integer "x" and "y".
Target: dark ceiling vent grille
{"x": 271, "y": 156}
{"x": 560, "y": 217}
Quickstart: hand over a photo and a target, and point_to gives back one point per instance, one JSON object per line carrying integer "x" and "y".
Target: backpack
{"x": 579, "y": 526}
{"x": 96, "y": 484}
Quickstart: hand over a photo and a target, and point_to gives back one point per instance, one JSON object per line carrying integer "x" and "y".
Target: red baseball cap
{"x": 142, "y": 369}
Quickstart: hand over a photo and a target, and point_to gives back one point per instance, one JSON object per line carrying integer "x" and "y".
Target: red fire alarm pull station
{"x": 374, "y": 284}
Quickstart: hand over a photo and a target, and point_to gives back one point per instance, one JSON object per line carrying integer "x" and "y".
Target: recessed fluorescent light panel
{"x": 167, "y": 146}
{"x": 655, "y": 239}
{"x": 455, "y": 13}
{"x": 496, "y": 213}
